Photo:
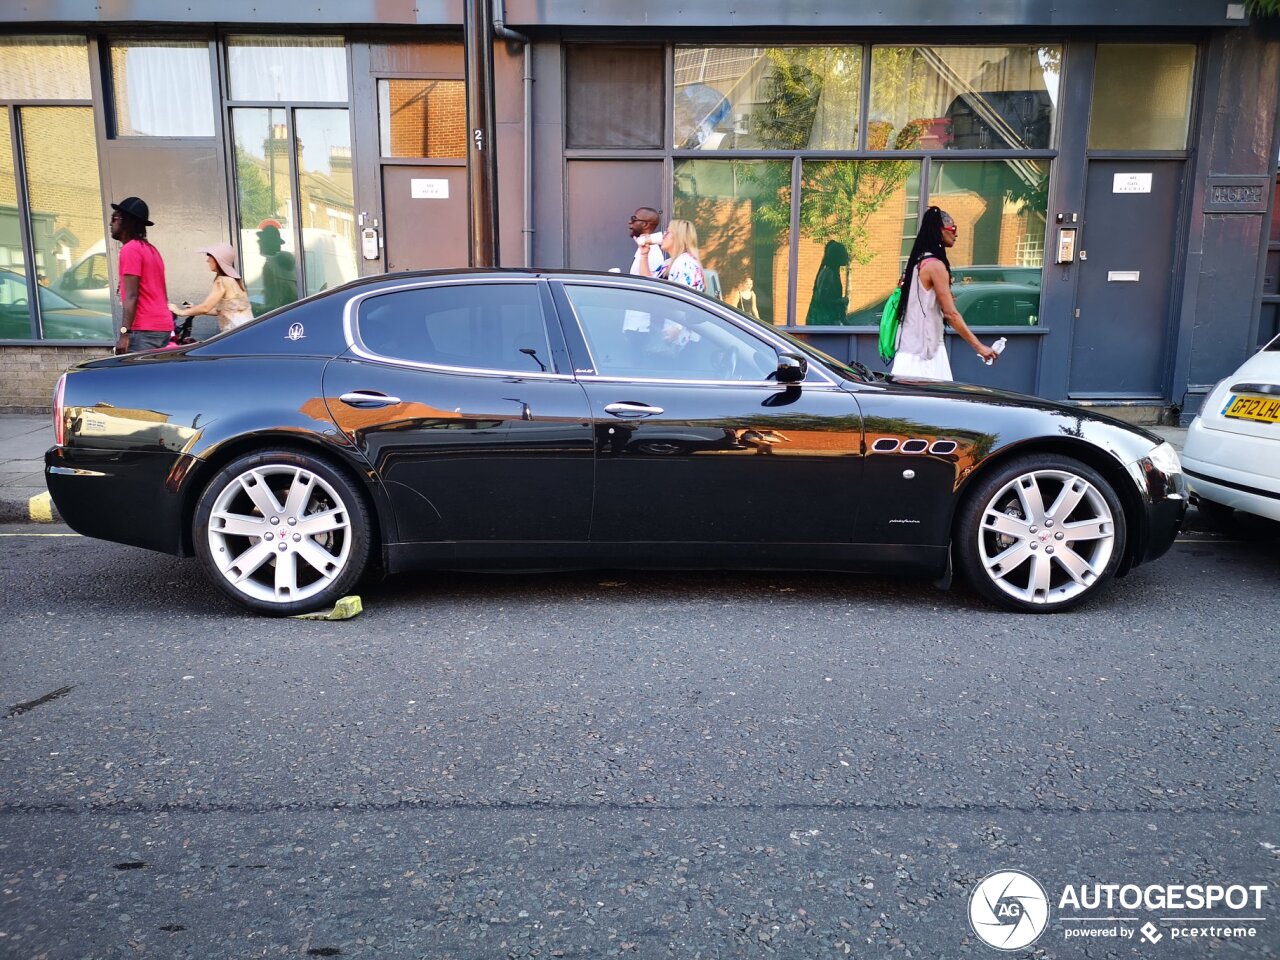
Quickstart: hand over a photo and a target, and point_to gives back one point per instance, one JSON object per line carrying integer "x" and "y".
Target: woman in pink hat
{"x": 227, "y": 300}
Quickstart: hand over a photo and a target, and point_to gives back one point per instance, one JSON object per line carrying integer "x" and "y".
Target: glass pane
{"x": 764, "y": 98}
{"x": 422, "y": 118}
{"x": 15, "y": 313}
{"x": 742, "y": 212}
{"x": 479, "y": 327}
{"x": 615, "y": 96}
{"x": 66, "y": 218}
{"x": 857, "y": 223}
{"x": 162, "y": 88}
{"x": 44, "y": 68}
{"x": 264, "y": 199}
{"x": 963, "y": 98}
{"x": 998, "y": 260}
{"x": 287, "y": 68}
{"x": 638, "y": 334}
{"x": 326, "y": 197}
{"x": 1141, "y": 96}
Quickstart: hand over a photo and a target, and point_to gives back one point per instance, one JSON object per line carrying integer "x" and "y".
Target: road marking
{"x": 40, "y": 534}
{"x": 40, "y": 508}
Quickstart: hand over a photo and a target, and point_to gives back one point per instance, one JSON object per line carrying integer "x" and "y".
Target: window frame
{"x": 109, "y": 91}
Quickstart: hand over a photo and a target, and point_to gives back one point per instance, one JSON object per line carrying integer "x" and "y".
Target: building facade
{"x": 1111, "y": 168}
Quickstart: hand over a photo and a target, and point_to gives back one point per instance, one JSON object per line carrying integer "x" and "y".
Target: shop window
{"x": 1141, "y": 96}
{"x": 162, "y": 88}
{"x": 997, "y": 262}
{"x": 66, "y": 218}
{"x": 741, "y": 210}
{"x": 767, "y": 98}
{"x": 422, "y": 118}
{"x": 287, "y": 68}
{"x": 44, "y": 68}
{"x": 614, "y": 96}
{"x": 326, "y": 198}
{"x": 264, "y": 190}
{"x": 857, "y": 223}
{"x": 963, "y": 98}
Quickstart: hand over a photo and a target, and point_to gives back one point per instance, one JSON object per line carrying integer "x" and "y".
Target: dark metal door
{"x": 1120, "y": 343}
{"x": 426, "y": 217}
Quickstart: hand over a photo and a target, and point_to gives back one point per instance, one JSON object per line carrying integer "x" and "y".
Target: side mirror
{"x": 792, "y": 368}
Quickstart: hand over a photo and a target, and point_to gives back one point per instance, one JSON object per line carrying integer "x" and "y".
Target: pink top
{"x": 140, "y": 259}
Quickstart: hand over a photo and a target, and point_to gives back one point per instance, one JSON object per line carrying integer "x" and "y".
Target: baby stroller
{"x": 181, "y": 333}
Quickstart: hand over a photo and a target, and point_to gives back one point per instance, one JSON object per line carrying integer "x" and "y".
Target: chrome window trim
{"x": 676, "y": 293}
{"x": 350, "y": 321}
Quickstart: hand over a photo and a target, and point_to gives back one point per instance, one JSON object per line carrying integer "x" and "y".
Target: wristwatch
{"x": 123, "y": 331}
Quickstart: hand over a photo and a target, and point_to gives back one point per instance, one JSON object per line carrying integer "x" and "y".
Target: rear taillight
{"x": 59, "y": 390}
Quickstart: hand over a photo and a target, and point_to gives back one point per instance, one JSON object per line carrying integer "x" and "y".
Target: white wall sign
{"x": 1131, "y": 183}
{"x": 421, "y": 188}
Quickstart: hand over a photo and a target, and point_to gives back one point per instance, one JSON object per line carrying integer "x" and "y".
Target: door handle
{"x": 368, "y": 399}
{"x": 630, "y": 409}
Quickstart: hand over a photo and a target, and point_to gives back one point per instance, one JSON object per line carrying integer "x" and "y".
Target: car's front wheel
{"x": 282, "y": 532}
{"x": 1043, "y": 533}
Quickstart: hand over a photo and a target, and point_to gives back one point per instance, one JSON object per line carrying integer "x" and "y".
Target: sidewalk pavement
{"x": 25, "y": 438}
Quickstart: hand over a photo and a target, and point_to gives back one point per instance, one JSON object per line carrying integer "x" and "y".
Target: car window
{"x": 90, "y": 274}
{"x": 493, "y": 326}
{"x": 636, "y": 333}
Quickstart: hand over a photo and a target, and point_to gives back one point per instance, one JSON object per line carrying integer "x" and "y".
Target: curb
{"x": 37, "y": 509}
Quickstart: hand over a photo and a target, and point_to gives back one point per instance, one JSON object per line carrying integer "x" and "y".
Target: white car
{"x": 1232, "y": 452}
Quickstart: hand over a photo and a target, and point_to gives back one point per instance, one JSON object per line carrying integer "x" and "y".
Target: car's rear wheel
{"x": 282, "y": 532}
{"x": 1043, "y": 533}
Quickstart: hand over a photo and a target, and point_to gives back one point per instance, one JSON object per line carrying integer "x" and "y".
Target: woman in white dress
{"x": 927, "y": 304}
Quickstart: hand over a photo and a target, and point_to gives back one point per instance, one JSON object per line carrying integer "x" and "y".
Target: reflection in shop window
{"x": 66, "y": 219}
{"x": 288, "y": 68}
{"x": 1142, "y": 96}
{"x": 767, "y": 98}
{"x": 997, "y": 262}
{"x": 422, "y": 118}
{"x": 15, "y": 317}
{"x": 264, "y": 193}
{"x": 857, "y": 222}
{"x": 963, "y": 98}
{"x": 326, "y": 198}
{"x": 44, "y": 68}
{"x": 742, "y": 212}
{"x": 162, "y": 88}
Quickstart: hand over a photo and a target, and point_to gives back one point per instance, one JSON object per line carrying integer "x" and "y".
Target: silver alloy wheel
{"x": 1046, "y": 554}
{"x": 279, "y": 533}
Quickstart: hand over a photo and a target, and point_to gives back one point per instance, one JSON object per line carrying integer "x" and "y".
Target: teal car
{"x": 62, "y": 319}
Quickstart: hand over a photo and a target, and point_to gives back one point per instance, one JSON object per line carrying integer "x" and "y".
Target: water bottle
{"x": 998, "y": 347}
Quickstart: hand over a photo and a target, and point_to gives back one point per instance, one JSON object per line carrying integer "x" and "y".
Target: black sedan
{"x": 521, "y": 420}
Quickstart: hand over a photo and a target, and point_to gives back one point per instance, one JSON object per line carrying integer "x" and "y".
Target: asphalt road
{"x": 623, "y": 764}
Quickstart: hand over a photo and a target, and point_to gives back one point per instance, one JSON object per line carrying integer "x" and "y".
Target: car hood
{"x": 1008, "y": 398}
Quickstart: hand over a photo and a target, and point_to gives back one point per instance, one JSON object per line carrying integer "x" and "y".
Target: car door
{"x": 694, "y": 443}
{"x": 460, "y": 397}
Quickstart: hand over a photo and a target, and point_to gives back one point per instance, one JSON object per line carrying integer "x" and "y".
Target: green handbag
{"x": 889, "y": 318}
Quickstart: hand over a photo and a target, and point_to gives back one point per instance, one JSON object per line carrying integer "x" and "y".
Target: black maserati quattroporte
{"x": 508, "y": 419}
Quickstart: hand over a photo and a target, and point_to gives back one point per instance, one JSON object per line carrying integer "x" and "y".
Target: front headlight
{"x": 1165, "y": 459}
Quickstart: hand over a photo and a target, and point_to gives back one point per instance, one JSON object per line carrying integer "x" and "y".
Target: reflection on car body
{"x": 510, "y": 419}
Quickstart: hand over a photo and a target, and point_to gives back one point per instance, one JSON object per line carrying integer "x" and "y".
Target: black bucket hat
{"x": 134, "y": 207}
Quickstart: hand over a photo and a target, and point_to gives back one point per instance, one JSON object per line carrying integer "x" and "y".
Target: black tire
{"x": 1043, "y": 562}
{"x": 276, "y": 553}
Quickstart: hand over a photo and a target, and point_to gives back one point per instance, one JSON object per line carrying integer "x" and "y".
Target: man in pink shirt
{"x": 146, "y": 322}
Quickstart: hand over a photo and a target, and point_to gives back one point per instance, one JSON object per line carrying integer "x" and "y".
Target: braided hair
{"x": 928, "y": 244}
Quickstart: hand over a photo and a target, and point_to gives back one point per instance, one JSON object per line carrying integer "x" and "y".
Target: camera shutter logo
{"x": 1009, "y": 910}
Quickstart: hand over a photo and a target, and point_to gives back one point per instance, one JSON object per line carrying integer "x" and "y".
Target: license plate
{"x": 1263, "y": 409}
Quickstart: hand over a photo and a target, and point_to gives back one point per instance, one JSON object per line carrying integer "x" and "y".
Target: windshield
{"x": 836, "y": 366}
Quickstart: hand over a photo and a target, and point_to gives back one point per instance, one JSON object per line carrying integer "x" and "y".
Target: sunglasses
{"x": 953, "y": 230}
{"x": 641, "y": 220}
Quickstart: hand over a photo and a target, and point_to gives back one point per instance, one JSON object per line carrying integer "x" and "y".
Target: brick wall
{"x": 30, "y": 373}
